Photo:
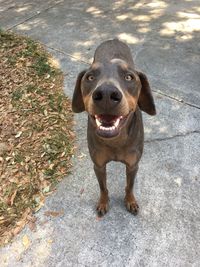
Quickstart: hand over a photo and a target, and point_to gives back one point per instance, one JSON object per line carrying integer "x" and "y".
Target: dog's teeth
{"x": 102, "y": 128}
{"x": 117, "y": 122}
{"x": 98, "y": 122}
{"x": 107, "y": 128}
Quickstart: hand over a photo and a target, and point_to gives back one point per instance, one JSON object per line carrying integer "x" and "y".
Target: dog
{"x": 114, "y": 93}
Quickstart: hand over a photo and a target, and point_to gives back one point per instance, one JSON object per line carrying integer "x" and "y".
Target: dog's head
{"x": 111, "y": 89}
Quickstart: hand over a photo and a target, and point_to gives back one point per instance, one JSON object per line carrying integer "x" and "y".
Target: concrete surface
{"x": 164, "y": 37}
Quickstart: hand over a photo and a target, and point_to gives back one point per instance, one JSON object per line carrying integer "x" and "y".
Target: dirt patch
{"x": 36, "y": 141}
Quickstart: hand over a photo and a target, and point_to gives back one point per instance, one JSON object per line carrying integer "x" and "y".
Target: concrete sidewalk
{"x": 164, "y": 38}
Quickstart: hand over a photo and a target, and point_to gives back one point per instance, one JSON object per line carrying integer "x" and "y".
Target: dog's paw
{"x": 131, "y": 205}
{"x": 102, "y": 208}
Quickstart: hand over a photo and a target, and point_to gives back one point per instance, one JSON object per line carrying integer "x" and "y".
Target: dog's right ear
{"x": 77, "y": 99}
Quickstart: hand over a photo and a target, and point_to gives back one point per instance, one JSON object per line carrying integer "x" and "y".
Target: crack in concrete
{"x": 36, "y": 13}
{"x": 155, "y": 91}
{"x": 87, "y": 62}
{"x": 67, "y": 54}
{"x": 176, "y": 99}
{"x": 172, "y": 137}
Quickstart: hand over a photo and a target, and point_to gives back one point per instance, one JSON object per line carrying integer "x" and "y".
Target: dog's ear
{"x": 145, "y": 101}
{"x": 77, "y": 99}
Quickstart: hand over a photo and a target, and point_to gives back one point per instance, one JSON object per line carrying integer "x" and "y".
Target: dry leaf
{"x": 46, "y": 189}
{"x": 32, "y": 226}
{"x": 72, "y": 134}
{"x": 35, "y": 117}
{"x": 31, "y": 218}
{"x": 18, "y": 134}
{"x": 25, "y": 241}
{"x": 54, "y": 213}
{"x": 17, "y": 229}
{"x": 82, "y": 155}
{"x": 13, "y": 197}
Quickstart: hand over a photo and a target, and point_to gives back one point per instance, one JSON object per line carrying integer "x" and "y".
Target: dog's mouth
{"x": 108, "y": 125}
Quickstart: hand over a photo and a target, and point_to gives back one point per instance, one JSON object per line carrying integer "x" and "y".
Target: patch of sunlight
{"x": 141, "y": 18}
{"x": 123, "y": 17}
{"x": 152, "y": 4}
{"x": 147, "y": 130}
{"x": 178, "y": 181}
{"x": 185, "y": 37}
{"x": 163, "y": 129}
{"x": 42, "y": 251}
{"x": 94, "y": 10}
{"x": 68, "y": 24}
{"x": 155, "y": 122}
{"x": 157, "y": 3}
{"x": 188, "y": 15}
{"x": 23, "y": 27}
{"x": 118, "y": 4}
{"x": 156, "y": 12}
{"x": 54, "y": 62}
{"x": 21, "y": 9}
{"x": 128, "y": 38}
{"x": 166, "y": 46}
{"x": 184, "y": 26}
{"x": 197, "y": 9}
{"x": 144, "y": 29}
{"x": 85, "y": 44}
{"x": 77, "y": 56}
{"x": 133, "y": 17}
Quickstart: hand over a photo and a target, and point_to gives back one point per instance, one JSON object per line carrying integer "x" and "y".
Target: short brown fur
{"x": 127, "y": 146}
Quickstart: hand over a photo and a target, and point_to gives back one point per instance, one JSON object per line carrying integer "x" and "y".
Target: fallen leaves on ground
{"x": 54, "y": 213}
{"x": 35, "y": 131}
{"x": 25, "y": 241}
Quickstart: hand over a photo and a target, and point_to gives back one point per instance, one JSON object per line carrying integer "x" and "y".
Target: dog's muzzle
{"x": 108, "y": 126}
{"x": 106, "y": 97}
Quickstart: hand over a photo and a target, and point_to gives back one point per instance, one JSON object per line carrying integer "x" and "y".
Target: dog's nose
{"x": 107, "y": 96}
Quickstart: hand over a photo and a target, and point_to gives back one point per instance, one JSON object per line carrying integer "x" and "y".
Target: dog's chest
{"x": 125, "y": 155}
{"x": 105, "y": 154}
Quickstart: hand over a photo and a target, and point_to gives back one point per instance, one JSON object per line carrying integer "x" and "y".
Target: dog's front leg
{"x": 130, "y": 201}
{"x": 102, "y": 206}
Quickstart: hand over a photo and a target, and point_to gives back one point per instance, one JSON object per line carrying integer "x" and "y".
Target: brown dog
{"x": 114, "y": 93}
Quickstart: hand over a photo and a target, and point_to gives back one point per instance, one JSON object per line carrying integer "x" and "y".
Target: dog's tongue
{"x": 107, "y": 118}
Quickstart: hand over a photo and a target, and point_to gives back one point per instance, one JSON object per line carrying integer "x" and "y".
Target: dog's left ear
{"x": 145, "y": 101}
{"x": 77, "y": 99}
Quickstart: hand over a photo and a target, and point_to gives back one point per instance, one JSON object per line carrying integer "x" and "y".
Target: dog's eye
{"x": 90, "y": 78}
{"x": 128, "y": 77}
